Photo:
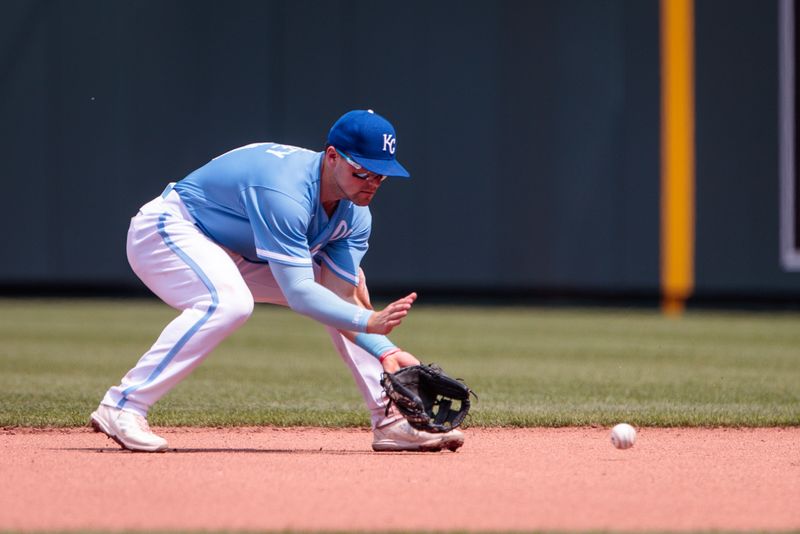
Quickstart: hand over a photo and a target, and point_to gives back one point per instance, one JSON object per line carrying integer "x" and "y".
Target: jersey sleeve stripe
{"x": 293, "y": 260}
{"x": 350, "y": 277}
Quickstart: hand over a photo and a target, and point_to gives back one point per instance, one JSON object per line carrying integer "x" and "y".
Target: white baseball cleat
{"x": 128, "y": 429}
{"x": 400, "y": 436}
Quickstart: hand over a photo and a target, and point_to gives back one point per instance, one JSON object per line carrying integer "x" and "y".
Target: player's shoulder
{"x": 289, "y": 169}
{"x": 270, "y": 154}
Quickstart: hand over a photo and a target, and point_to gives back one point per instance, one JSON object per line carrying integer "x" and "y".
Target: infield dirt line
{"x": 676, "y": 479}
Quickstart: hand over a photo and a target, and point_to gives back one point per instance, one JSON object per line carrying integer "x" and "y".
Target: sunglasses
{"x": 358, "y": 167}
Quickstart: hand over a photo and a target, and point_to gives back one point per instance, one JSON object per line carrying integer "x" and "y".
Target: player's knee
{"x": 234, "y": 312}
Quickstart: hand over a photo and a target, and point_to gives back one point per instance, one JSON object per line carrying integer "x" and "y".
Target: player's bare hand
{"x": 396, "y": 360}
{"x": 384, "y": 321}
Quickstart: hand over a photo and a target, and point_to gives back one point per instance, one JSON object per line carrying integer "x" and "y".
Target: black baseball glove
{"x": 428, "y": 398}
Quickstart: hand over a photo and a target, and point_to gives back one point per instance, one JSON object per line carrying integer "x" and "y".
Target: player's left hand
{"x": 428, "y": 398}
{"x": 397, "y": 360}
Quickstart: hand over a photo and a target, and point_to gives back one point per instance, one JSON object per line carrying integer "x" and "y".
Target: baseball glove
{"x": 428, "y": 398}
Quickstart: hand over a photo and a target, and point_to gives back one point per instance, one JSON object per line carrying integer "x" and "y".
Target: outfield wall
{"x": 531, "y": 129}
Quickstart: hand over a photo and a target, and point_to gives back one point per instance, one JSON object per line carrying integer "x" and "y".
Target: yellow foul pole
{"x": 677, "y": 154}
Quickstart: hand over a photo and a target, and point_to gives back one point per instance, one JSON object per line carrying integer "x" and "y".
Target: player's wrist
{"x": 387, "y": 354}
{"x": 375, "y": 344}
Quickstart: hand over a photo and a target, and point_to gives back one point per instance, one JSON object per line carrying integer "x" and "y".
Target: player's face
{"x": 356, "y": 183}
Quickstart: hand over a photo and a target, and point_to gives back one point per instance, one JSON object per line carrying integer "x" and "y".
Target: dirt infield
{"x": 318, "y": 479}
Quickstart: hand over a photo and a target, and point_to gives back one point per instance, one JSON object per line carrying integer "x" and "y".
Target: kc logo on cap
{"x": 388, "y": 143}
{"x": 370, "y": 140}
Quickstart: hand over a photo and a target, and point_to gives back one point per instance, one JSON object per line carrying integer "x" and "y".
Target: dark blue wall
{"x": 737, "y": 149}
{"x": 531, "y": 129}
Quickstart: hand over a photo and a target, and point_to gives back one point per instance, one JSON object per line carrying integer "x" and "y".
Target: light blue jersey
{"x": 262, "y": 201}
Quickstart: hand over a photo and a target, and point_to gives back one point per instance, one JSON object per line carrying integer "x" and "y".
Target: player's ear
{"x": 331, "y": 154}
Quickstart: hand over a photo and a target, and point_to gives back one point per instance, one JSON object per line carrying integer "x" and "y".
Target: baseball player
{"x": 268, "y": 223}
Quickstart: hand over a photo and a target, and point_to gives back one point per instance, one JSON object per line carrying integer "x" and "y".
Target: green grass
{"x": 530, "y": 366}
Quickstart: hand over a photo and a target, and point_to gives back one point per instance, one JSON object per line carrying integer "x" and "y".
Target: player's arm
{"x": 305, "y": 296}
{"x": 391, "y": 357}
{"x": 280, "y": 239}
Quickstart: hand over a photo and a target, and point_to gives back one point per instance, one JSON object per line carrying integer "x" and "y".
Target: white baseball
{"x": 623, "y": 436}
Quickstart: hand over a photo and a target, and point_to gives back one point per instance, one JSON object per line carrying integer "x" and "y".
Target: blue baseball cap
{"x": 369, "y": 140}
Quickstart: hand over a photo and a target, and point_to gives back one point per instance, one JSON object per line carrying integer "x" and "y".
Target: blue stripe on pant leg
{"x": 193, "y": 330}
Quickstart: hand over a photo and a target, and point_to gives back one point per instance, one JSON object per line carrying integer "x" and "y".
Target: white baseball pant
{"x": 214, "y": 289}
